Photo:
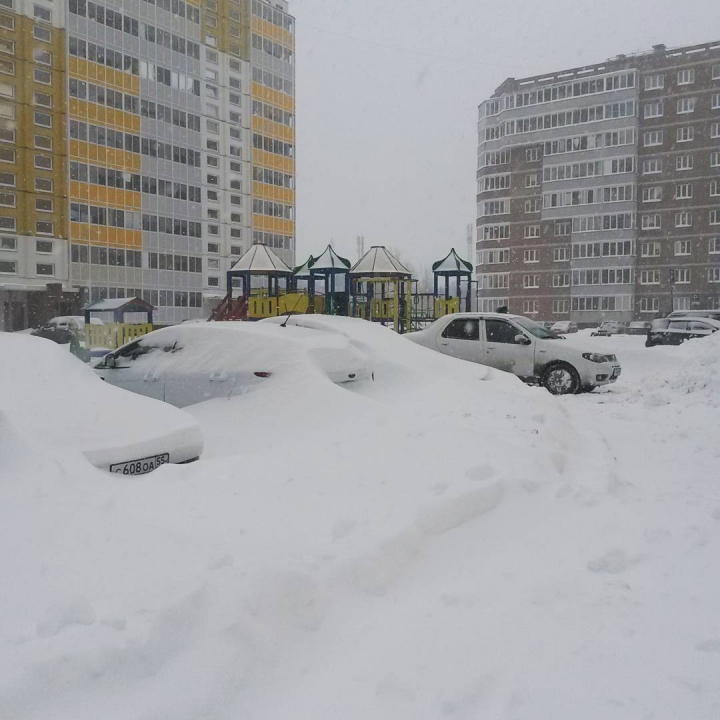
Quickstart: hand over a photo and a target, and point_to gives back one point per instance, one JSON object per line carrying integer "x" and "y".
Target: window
{"x": 683, "y": 219}
{"x": 685, "y": 105}
{"x": 45, "y": 269}
{"x": 715, "y": 130}
{"x": 716, "y": 72}
{"x": 715, "y": 159}
{"x": 532, "y": 206}
{"x": 7, "y": 199}
{"x": 44, "y": 57}
{"x": 532, "y": 180}
{"x": 714, "y": 188}
{"x": 654, "y": 82}
{"x": 532, "y": 155}
{"x": 652, "y": 167}
{"x": 650, "y": 277}
{"x": 213, "y": 248}
{"x": 7, "y": 135}
{"x": 561, "y": 254}
{"x": 8, "y": 243}
{"x": 684, "y": 191}
{"x": 651, "y": 222}
{"x": 682, "y": 276}
{"x": 43, "y": 100}
{"x": 8, "y": 267}
{"x": 531, "y": 281}
{"x": 43, "y": 162}
{"x": 43, "y": 119}
{"x": 7, "y": 22}
{"x": 561, "y": 307}
{"x": 7, "y": 179}
{"x": 714, "y": 275}
{"x": 716, "y": 101}
{"x": 715, "y": 217}
{"x": 650, "y": 249}
{"x": 44, "y": 246}
{"x": 42, "y": 142}
{"x": 684, "y": 162}
{"x": 7, "y": 90}
{"x": 44, "y": 204}
{"x": 653, "y": 137}
{"x": 500, "y": 331}
{"x": 42, "y": 76}
{"x": 649, "y": 305}
{"x": 42, "y": 33}
{"x": 683, "y": 247}
{"x": 686, "y": 134}
{"x": 466, "y": 329}
{"x": 235, "y": 250}
{"x": 43, "y": 227}
{"x": 42, "y": 13}
{"x": 7, "y": 67}
{"x": 7, "y": 46}
{"x": 686, "y": 77}
{"x": 43, "y": 184}
{"x": 7, "y": 154}
{"x": 8, "y": 223}
{"x": 561, "y": 280}
{"x": 530, "y": 307}
{"x": 652, "y": 194}
{"x": 653, "y": 110}
{"x": 213, "y": 229}
{"x": 212, "y": 126}
{"x": 531, "y": 256}
{"x": 531, "y": 231}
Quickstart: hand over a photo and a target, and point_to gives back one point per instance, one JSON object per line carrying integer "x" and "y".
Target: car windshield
{"x": 536, "y": 329}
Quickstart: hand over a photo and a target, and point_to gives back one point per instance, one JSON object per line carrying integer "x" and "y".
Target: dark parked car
{"x": 638, "y": 328}
{"x": 676, "y": 330}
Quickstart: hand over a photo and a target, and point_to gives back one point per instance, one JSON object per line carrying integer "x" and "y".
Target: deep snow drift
{"x": 443, "y": 542}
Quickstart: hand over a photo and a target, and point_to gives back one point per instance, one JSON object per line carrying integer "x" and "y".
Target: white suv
{"x": 520, "y": 346}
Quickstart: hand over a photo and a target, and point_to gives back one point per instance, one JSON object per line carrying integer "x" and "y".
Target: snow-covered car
{"x": 188, "y": 364}
{"x": 712, "y": 314}
{"x": 73, "y": 323}
{"x": 638, "y": 327}
{"x": 517, "y": 345}
{"x": 50, "y": 395}
{"x": 676, "y": 330}
{"x": 609, "y": 327}
{"x": 563, "y": 327}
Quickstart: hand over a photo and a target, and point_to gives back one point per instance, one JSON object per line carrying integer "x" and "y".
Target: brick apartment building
{"x": 599, "y": 189}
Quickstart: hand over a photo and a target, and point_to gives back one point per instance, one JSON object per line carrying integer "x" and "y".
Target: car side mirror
{"x": 110, "y": 361}
{"x": 521, "y": 339}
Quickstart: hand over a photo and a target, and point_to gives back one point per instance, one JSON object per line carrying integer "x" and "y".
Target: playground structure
{"x": 378, "y": 288}
{"x": 124, "y": 320}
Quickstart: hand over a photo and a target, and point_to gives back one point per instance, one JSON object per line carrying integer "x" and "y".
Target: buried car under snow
{"x": 47, "y": 393}
{"x": 188, "y": 364}
{"x": 520, "y": 346}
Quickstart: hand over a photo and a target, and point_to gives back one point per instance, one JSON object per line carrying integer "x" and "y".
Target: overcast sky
{"x": 387, "y": 96}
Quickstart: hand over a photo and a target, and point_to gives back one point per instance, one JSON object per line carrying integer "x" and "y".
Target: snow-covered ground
{"x": 442, "y": 543}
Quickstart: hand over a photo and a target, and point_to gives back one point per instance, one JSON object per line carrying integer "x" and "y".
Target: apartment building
{"x": 598, "y": 189}
{"x": 144, "y": 146}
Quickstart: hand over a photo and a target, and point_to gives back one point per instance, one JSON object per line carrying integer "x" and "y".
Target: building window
{"x": 43, "y": 162}
{"x": 7, "y": 199}
{"x": 532, "y": 206}
{"x": 531, "y": 281}
{"x": 42, "y": 13}
{"x": 530, "y": 307}
{"x": 44, "y": 57}
{"x": 7, "y": 22}
{"x": 43, "y": 100}
{"x": 212, "y": 126}
{"x": 43, "y": 76}
{"x": 211, "y": 92}
{"x": 650, "y": 249}
{"x": 43, "y": 119}
{"x": 7, "y": 154}
{"x": 685, "y": 134}
{"x": 682, "y": 276}
{"x": 210, "y": 40}
{"x": 45, "y": 269}
{"x": 532, "y": 155}
{"x": 531, "y": 256}
{"x": 213, "y": 145}
{"x": 650, "y": 277}
{"x": 213, "y": 248}
{"x": 714, "y": 275}
{"x": 714, "y": 246}
{"x": 654, "y": 82}
{"x": 7, "y": 46}
{"x": 683, "y": 219}
{"x": 8, "y": 223}
{"x": 649, "y": 305}
{"x": 44, "y": 246}
{"x": 715, "y": 130}
{"x": 685, "y": 105}
{"x": 684, "y": 191}
{"x": 7, "y": 90}
{"x": 43, "y": 227}
{"x": 235, "y": 250}
{"x": 716, "y": 72}
{"x": 686, "y": 77}
{"x": 44, "y": 204}
{"x": 653, "y": 137}
{"x": 8, "y": 243}
{"x": 7, "y": 67}
{"x": 683, "y": 247}
{"x": 561, "y": 254}
{"x": 716, "y": 101}
{"x": 531, "y": 231}
{"x": 652, "y": 167}
{"x": 715, "y": 217}
{"x": 652, "y": 194}
{"x": 715, "y": 159}
{"x": 213, "y": 229}
{"x": 43, "y": 184}
{"x": 213, "y": 282}
{"x": 651, "y": 222}
{"x": 684, "y": 162}
{"x": 561, "y": 280}
{"x": 42, "y": 33}
{"x": 653, "y": 110}
{"x": 8, "y": 267}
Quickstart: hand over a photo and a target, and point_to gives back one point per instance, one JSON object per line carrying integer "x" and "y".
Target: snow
{"x": 442, "y": 543}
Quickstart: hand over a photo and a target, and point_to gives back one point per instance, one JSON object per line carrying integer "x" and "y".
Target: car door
{"x": 508, "y": 348}
{"x": 699, "y": 328}
{"x": 461, "y": 339}
{"x": 135, "y": 368}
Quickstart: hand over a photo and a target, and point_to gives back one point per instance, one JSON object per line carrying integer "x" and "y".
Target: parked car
{"x": 520, "y": 346}
{"x": 190, "y": 363}
{"x": 73, "y": 323}
{"x": 712, "y": 314}
{"x": 638, "y": 328}
{"x": 48, "y": 394}
{"x": 563, "y": 327}
{"x": 609, "y": 327}
{"x": 676, "y": 330}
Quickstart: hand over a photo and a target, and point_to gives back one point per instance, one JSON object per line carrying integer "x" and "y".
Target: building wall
{"x": 579, "y": 255}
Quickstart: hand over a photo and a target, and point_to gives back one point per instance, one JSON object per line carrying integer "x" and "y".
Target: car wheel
{"x": 561, "y": 379}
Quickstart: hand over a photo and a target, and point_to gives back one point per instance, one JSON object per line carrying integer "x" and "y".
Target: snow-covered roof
{"x": 115, "y": 304}
{"x": 260, "y": 259}
{"x": 303, "y": 271}
{"x": 379, "y": 261}
{"x": 452, "y": 263}
{"x": 330, "y": 260}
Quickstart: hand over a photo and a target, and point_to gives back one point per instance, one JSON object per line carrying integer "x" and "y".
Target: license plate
{"x": 140, "y": 467}
{"x": 616, "y": 372}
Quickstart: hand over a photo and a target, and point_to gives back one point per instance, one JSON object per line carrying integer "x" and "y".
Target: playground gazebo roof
{"x": 260, "y": 260}
{"x": 329, "y": 262}
{"x": 452, "y": 264}
{"x": 378, "y": 261}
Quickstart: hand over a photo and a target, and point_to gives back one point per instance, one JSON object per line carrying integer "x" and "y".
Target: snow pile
{"x": 440, "y": 543}
{"x": 693, "y": 380}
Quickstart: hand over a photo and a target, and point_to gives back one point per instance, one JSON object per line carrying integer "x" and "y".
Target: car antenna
{"x": 290, "y": 312}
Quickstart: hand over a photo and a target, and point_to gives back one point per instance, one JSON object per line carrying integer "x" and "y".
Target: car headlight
{"x": 597, "y": 358}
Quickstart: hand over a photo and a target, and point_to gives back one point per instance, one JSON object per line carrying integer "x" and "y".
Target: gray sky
{"x": 388, "y": 94}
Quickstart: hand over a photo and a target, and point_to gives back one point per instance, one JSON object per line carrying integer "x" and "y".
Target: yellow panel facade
{"x": 273, "y": 97}
{"x": 99, "y": 235}
{"x": 274, "y": 162}
{"x": 268, "y": 30}
{"x": 273, "y": 129}
{"x": 105, "y": 156}
{"x": 102, "y": 75}
{"x": 273, "y": 225}
{"x": 272, "y": 192}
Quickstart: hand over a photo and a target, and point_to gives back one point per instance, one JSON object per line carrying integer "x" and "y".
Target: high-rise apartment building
{"x": 599, "y": 189}
{"x": 144, "y": 146}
